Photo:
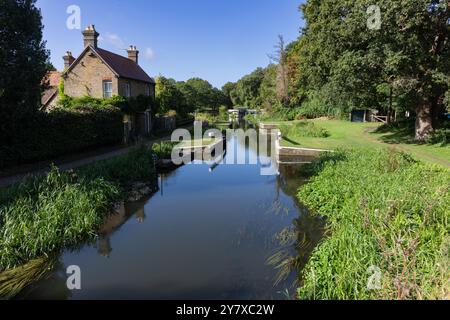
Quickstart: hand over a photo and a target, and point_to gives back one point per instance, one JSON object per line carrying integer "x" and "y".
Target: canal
{"x": 226, "y": 232}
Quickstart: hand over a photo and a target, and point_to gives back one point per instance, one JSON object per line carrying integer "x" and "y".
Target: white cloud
{"x": 113, "y": 39}
{"x": 149, "y": 54}
{"x": 116, "y": 41}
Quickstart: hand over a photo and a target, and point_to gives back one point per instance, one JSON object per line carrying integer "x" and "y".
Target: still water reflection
{"x": 222, "y": 233}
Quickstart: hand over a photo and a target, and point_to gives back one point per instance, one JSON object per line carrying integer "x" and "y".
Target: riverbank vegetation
{"x": 388, "y": 222}
{"x": 302, "y": 129}
{"x": 42, "y": 215}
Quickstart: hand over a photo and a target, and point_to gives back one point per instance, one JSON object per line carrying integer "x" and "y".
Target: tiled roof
{"x": 53, "y": 78}
{"x": 123, "y": 66}
{"x": 48, "y": 95}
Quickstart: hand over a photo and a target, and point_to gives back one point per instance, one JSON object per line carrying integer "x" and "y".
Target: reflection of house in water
{"x": 115, "y": 221}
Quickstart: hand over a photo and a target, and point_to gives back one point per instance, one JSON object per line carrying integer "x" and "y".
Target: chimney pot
{"x": 133, "y": 54}
{"x": 68, "y": 59}
{"x": 90, "y": 36}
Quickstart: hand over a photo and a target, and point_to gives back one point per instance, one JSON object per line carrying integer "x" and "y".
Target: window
{"x": 127, "y": 90}
{"x": 107, "y": 89}
{"x": 147, "y": 90}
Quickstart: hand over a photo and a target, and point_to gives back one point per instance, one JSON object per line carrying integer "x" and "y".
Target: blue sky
{"x": 217, "y": 40}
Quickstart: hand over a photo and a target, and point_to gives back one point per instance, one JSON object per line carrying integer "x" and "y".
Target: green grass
{"x": 198, "y": 142}
{"x": 345, "y": 134}
{"x": 42, "y": 215}
{"x": 384, "y": 210}
{"x": 163, "y": 149}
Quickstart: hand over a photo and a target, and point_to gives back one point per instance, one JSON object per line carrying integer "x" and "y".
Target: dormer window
{"x": 107, "y": 89}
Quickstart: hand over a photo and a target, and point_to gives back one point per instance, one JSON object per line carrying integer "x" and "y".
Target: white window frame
{"x": 107, "y": 89}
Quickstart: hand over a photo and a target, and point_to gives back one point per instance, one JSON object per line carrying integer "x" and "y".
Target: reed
{"x": 42, "y": 215}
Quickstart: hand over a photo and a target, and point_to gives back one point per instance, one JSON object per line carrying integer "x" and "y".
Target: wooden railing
{"x": 383, "y": 119}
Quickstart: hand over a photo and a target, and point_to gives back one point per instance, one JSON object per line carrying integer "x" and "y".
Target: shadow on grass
{"x": 314, "y": 168}
{"x": 291, "y": 141}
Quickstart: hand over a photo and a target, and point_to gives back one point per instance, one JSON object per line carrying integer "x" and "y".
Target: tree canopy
{"x": 189, "y": 96}
{"x": 352, "y": 55}
{"x": 23, "y": 62}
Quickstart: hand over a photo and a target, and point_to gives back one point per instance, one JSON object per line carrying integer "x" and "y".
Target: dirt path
{"x": 75, "y": 161}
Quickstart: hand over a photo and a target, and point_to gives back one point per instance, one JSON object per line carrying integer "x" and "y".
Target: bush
{"x": 163, "y": 150}
{"x": 48, "y": 135}
{"x": 384, "y": 212}
{"x": 304, "y": 129}
{"x": 131, "y": 105}
{"x": 441, "y": 135}
{"x": 206, "y": 117}
{"x": 314, "y": 107}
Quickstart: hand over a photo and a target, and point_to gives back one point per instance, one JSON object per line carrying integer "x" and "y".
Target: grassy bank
{"x": 345, "y": 134}
{"x": 387, "y": 213}
{"x": 42, "y": 215}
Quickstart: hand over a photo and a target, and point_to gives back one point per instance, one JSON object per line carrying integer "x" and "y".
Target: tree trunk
{"x": 424, "y": 120}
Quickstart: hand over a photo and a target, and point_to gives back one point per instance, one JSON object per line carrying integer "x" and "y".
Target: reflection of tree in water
{"x": 295, "y": 243}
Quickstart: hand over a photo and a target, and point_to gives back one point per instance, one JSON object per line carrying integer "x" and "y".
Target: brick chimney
{"x": 133, "y": 54}
{"x": 90, "y": 36}
{"x": 68, "y": 60}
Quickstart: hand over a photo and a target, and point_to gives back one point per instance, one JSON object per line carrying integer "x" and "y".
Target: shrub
{"x": 304, "y": 129}
{"x": 48, "y": 135}
{"x": 441, "y": 135}
{"x": 314, "y": 107}
{"x": 131, "y": 105}
{"x": 163, "y": 150}
{"x": 384, "y": 211}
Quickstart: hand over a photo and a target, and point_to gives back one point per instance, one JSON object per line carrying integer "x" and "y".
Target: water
{"x": 207, "y": 234}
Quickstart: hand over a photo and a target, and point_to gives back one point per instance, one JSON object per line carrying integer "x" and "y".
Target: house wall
{"x": 87, "y": 76}
{"x": 137, "y": 87}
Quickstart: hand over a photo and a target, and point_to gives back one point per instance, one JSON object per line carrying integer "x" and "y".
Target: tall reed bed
{"x": 42, "y": 215}
{"x": 388, "y": 228}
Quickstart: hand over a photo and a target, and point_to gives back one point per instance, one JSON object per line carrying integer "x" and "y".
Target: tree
{"x": 268, "y": 88}
{"x": 168, "y": 96}
{"x": 49, "y": 66}
{"x": 203, "y": 93}
{"x": 282, "y": 81}
{"x": 227, "y": 89}
{"x": 23, "y": 60}
{"x": 350, "y": 62}
{"x": 247, "y": 91}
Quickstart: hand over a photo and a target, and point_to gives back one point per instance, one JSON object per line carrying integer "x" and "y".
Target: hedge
{"x": 44, "y": 136}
